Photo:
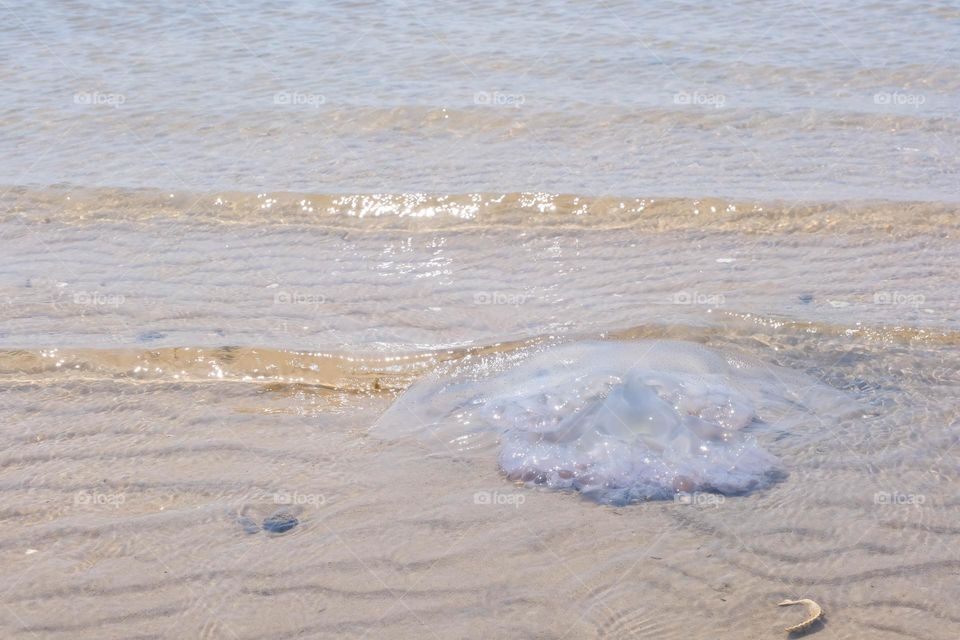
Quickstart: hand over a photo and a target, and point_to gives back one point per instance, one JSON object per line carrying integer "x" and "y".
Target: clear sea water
{"x": 233, "y": 234}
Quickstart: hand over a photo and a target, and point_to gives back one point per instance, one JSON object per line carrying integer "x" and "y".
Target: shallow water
{"x": 237, "y": 238}
{"x": 170, "y": 381}
{"x": 795, "y": 100}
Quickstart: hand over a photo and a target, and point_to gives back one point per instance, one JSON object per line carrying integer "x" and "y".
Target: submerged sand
{"x": 161, "y": 391}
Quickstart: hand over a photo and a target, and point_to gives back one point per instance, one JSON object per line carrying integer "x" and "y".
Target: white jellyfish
{"x": 618, "y": 421}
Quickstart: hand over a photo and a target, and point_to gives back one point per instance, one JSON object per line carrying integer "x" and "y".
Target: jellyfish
{"x": 619, "y": 422}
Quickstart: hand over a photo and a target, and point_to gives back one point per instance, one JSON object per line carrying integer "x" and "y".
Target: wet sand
{"x": 233, "y": 234}
{"x": 139, "y": 438}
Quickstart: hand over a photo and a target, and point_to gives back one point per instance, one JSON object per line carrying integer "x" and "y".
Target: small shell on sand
{"x": 814, "y": 613}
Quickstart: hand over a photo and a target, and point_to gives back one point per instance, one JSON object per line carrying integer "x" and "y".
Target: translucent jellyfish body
{"x": 618, "y": 421}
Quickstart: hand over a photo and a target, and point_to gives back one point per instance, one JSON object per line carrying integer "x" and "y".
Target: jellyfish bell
{"x": 617, "y": 421}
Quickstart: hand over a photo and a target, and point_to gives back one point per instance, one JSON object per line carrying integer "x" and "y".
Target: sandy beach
{"x": 428, "y": 321}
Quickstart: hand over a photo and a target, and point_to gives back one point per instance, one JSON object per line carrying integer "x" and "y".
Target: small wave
{"x": 275, "y": 368}
{"x": 356, "y": 372}
{"x": 425, "y": 212}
